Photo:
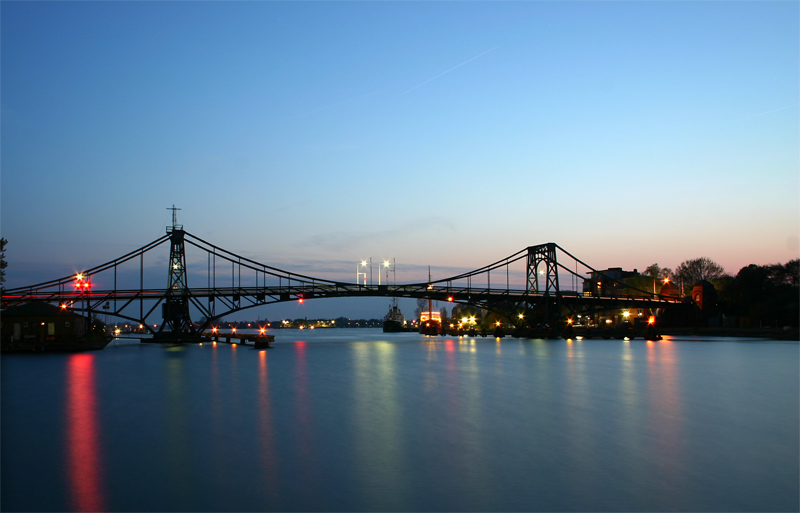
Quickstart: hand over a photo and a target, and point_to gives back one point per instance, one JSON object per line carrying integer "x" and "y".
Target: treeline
{"x": 769, "y": 295}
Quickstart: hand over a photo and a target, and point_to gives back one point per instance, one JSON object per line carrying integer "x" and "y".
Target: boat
{"x": 393, "y": 321}
{"x": 430, "y": 323}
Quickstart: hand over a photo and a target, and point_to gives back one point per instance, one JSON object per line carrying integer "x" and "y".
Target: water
{"x": 356, "y": 420}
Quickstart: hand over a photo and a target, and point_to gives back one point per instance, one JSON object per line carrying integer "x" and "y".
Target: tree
{"x": 3, "y": 263}
{"x": 692, "y": 271}
{"x": 658, "y": 273}
{"x": 768, "y": 294}
{"x": 788, "y": 273}
{"x": 422, "y": 306}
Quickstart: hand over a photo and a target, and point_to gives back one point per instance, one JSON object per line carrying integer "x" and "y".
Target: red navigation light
{"x": 450, "y": 298}
{"x": 300, "y": 299}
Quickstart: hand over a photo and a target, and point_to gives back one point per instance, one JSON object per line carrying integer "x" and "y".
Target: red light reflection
{"x": 84, "y": 467}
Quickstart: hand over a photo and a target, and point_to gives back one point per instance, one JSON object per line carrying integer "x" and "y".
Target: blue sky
{"x": 311, "y": 135}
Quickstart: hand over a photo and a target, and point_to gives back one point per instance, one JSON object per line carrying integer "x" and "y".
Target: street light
{"x": 386, "y": 265}
{"x": 358, "y": 273}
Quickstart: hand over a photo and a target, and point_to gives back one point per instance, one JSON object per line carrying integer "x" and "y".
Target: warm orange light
{"x": 63, "y": 306}
{"x": 569, "y": 321}
{"x": 234, "y": 330}
{"x": 214, "y": 330}
{"x": 450, "y": 298}
{"x": 263, "y": 330}
{"x": 498, "y": 323}
{"x": 651, "y": 320}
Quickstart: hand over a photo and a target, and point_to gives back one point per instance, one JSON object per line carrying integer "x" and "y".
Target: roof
{"x": 35, "y": 309}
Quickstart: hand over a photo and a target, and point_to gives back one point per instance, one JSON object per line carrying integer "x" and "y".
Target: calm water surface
{"x": 357, "y": 420}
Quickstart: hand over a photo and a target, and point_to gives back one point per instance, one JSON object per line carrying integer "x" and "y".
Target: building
{"x": 610, "y": 282}
{"x": 40, "y": 326}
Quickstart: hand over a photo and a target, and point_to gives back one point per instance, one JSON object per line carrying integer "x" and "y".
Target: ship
{"x": 393, "y": 321}
{"x": 430, "y": 323}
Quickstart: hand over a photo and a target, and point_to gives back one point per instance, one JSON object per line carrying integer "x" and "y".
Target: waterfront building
{"x": 39, "y": 323}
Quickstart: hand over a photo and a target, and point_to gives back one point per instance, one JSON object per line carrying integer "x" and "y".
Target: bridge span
{"x": 113, "y": 289}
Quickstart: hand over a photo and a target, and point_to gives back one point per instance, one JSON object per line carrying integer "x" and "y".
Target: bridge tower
{"x": 546, "y": 302}
{"x": 175, "y": 309}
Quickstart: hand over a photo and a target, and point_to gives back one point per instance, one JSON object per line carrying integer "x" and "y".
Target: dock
{"x": 259, "y": 340}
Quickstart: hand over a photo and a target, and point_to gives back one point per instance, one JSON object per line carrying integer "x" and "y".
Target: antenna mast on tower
{"x": 174, "y": 217}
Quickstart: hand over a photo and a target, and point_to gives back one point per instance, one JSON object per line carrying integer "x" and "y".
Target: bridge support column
{"x": 544, "y": 295}
{"x": 177, "y": 324}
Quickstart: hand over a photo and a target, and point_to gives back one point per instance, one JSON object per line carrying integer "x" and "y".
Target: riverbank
{"x": 773, "y": 333}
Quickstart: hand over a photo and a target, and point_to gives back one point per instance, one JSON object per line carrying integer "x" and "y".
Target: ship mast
{"x": 430, "y": 301}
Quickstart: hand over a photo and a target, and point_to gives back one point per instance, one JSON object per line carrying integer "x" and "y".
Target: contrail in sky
{"x": 765, "y": 113}
{"x": 448, "y": 71}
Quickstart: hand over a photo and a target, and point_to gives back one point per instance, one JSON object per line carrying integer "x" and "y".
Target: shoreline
{"x": 771, "y": 333}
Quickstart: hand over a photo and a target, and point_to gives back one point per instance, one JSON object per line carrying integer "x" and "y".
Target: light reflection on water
{"x": 357, "y": 420}
{"x": 82, "y": 440}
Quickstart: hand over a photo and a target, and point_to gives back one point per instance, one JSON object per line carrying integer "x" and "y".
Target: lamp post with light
{"x": 388, "y": 267}
{"x": 359, "y": 273}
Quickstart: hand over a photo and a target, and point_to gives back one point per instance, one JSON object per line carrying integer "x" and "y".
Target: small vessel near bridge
{"x": 393, "y": 321}
{"x": 430, "y": 323}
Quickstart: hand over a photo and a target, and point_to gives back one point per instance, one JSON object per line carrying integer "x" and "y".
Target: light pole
{"x": 358, "y": 273}
{"x": 386, "y": 266}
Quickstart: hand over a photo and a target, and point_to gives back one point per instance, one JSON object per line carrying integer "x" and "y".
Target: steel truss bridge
{"x": 249, "y": 284}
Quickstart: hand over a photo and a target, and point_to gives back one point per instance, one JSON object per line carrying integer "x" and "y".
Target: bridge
{"x": 112, "y": 288}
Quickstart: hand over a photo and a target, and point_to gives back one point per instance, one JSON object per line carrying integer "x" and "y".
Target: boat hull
{"x": 390, "y": 326}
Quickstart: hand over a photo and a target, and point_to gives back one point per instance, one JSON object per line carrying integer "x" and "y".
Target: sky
{"x": 311, "y": 135}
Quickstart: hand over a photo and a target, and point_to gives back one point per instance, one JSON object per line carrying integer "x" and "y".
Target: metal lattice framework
{"x": 253, "y": 284}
